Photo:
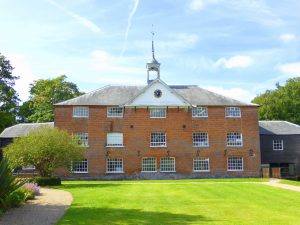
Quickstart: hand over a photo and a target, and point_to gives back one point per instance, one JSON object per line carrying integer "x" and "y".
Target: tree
{"x": 283, "y": 103}
{"x": 46, "y": 148}
{"x": 43, "y": 95}
{"x": 8, "y": 96}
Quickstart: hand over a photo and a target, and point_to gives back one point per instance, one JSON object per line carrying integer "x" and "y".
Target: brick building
{"x": 161, "y": 131}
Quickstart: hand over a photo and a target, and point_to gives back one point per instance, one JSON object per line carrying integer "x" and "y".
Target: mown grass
{"x": 180, "y": 202}
{"x": 290, "y": 182}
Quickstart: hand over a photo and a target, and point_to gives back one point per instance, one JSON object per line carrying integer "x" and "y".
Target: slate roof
{"x": 22, "y": 129}
{"x": 278, "y": 128}
{"x": 120, "y": 95}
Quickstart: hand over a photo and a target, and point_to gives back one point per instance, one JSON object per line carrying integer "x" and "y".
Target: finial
{"x": 152, "y": 32}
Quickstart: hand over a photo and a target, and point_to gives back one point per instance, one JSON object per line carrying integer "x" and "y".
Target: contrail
{"x": 82, "y": 20}
{"x": 131, "y": 14}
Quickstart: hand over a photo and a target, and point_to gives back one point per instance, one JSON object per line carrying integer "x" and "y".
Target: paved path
{"x": 46, "y": 209}
{"x": 275, "y": 183}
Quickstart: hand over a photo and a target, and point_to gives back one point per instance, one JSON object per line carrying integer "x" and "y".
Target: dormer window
{"x": 199, "y": 112}
{"x": 158, "y": 112}
{"x": 232, "y": 112}
{"x": 114, "y": 111}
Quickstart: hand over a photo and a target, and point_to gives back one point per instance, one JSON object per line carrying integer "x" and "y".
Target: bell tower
{"x": 153, "y": 66}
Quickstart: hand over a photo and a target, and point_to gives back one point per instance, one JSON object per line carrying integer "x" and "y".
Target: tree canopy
{"x": 44, "y": 93}
{"x": 283, "y": 103}
{"x": 46, "y": 148}
{"x": 8, "y": 96}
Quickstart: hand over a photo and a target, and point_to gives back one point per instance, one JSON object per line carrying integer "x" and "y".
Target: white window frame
{"x": 163, "y": 167}
{"x": 197, "y": 140}
{"x": 278, "y": 144}
{"x": 157, "y": 144}
{"x": 80, "y": 111}
{"x": 83, "y": 168}
{"x": 233, "y": 142}
{"x": 113, "y": 112}
{"x": 200, "y": 161}
{"x": 29, "y": 167}
{"x": 158, "y": 112}
{"x": 232, "y": 112}
{"x": 83, "y": 139}
{"x": 115, "y": 136}
{"x": 114, "y": 162}
{"x": 235, "y": 165}
{"x": 199, "y": 112}
{"x": 147, "y": 166}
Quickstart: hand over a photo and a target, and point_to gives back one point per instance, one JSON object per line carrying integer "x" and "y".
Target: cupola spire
{"x": 153, "y": 65}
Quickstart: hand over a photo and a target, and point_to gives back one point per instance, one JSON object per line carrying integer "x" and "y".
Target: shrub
{"x": 8, "y": 183}
{"x": 32, "y": 187}
{"x": 29, "y": 195}
{"x": 16, "y": 198}
{"x": 47, "y": 181}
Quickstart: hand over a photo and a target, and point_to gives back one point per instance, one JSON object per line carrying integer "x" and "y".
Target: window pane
{"x": 80, "y": 166}
{"x": 149, "y": 165}
{"x": 167, "y": 164}
{"x": 158, "y": 139}
{"x": 232, "y": 112}
{"x": 235, "y": 164}
{"x": 158, "y": 113}
{"x": 200, "y": 139}
{"x": 114, "y": 112}
{"x": 80, "y": 111}
{"x": 114, "y": 165}
{"x": 115, "y": 139}
{"x": 199, "y": 112}
{"x": 201, "y": 164}
{"x": 83, "y": 139}
{"x": 234, "y": 139}
{"x": 277, "y": 144}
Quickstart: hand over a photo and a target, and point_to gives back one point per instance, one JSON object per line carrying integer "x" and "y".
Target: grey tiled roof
{"x": 278, "y": 127}
{"x": 22, "y": 129}
{"x": 120, "y": 95}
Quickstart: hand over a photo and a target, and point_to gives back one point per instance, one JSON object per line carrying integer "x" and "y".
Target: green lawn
{"x": 291, "y": 182}
{"x": 180, "y": 202}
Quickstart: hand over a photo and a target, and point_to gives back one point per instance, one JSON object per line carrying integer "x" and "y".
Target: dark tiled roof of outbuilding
{"x": 120, "y": 95}
{"x": 278, "y": 128}
{"x": 22, "y": 129}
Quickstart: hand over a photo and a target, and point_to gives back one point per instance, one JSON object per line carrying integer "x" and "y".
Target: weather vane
{"x": 152, "y": 32}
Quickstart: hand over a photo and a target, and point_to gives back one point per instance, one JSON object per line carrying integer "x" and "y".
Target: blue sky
{"x": 238, "y": 48}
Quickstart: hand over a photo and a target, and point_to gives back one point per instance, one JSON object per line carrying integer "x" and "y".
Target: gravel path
{"x": 275, "y": 183}
{"x": 46, "y": 209}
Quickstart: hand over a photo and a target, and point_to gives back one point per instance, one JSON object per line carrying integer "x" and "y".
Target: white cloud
{"x": 235, "y": 93}
{"x": 82, "y": 20}
{"x": 198, "y": 5}
{"x": 288, "y": 37}
{"x": 291, "y": 69}
{"x": 106, "y": 63}
{"x": 22, "y": 69}
{"x": 238, "y": 61}
{"x": 131, "y": 14}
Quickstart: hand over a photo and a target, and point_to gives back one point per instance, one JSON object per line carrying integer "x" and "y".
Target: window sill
{"x": 201, "y": 171}
{"x": 111, "y": 146}
{"x": 148, "y": 171}
{"x": 114, "y": 116}
{"x": 233, "y": 117}
{"x": 235, "y": 146}
{"x": 168, "y": 171}
{"x": 277, "y": 149}
{"x": 115, "y": 172}
{"x": 201, "y": 146}
{"x": 80, "y": 172}
{"x": 158, "y": 146}
{"x": 158, "y": 117}
{"x": 80, "y": 117}
{"x": 199, "y": 116}
{"x": 235, "y": 170}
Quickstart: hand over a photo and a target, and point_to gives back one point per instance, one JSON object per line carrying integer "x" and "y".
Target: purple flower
{"x": 33, "y": 187}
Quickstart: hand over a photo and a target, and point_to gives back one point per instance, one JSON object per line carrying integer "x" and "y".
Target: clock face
{"x": 157, "y": 93}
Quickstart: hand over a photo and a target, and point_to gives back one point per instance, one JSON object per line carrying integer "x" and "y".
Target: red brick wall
{"x": 179, "y": 139}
